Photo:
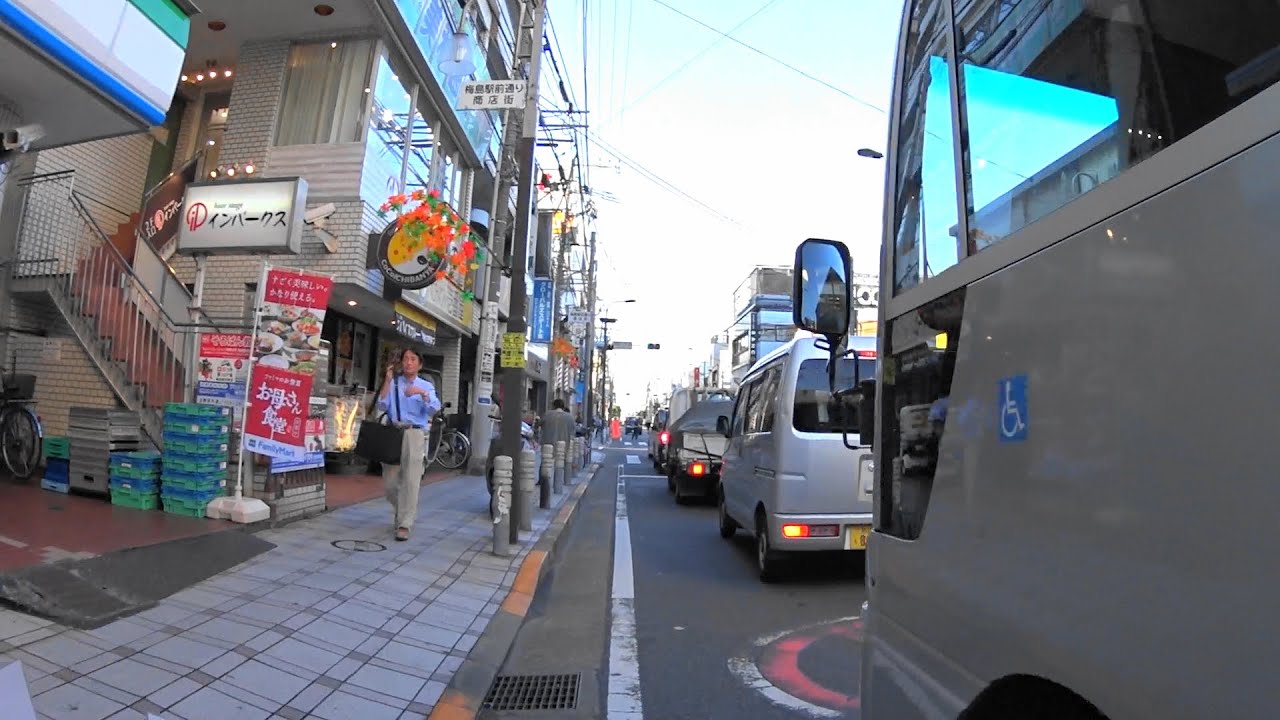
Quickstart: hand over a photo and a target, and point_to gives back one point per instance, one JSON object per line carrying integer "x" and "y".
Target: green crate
{"x": 210, "y": 428}
{"x": 197, "y": 465}
{"x": 192, "y": 410}
{"x": 57, "y": 447}
{"x": 180, "y": 506}
{"x": 188, "y": 483}
{"x": 123, "y": 471}
{"x": 195, "y": 447}
{"x": 134, "y": 499}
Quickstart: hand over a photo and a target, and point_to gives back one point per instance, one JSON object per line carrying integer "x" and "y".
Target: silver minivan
{"x": 785, "y": 474}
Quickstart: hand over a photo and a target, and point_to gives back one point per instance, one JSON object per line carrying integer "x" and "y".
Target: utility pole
{"x": 557, "y": 304}
{"x": 591, "y": 337}
{"x": 513, "y": 379}
{"x": 604, "y": 369}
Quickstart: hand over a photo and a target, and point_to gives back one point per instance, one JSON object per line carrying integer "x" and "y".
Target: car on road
{"x": 695, "y": 449}
{"x": 784, "y": 476}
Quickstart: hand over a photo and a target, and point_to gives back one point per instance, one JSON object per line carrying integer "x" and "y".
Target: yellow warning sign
{"x": 513, "y": 355}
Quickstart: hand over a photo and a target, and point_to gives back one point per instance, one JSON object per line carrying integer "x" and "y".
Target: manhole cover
{"x": 359, "y": 545}
{"x": 534, "y": 692}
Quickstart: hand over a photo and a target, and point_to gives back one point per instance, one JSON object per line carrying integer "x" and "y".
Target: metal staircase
{"x": 135, "y": 331}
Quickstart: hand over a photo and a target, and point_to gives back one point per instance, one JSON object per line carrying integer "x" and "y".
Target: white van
{"x": 785, "y": 474}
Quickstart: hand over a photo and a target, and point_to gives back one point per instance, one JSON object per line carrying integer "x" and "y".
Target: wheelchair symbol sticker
{"x": 1012, "y": 405}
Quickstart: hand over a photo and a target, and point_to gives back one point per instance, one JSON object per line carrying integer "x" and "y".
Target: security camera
{"x": 21, "y": 138}
{"x": 316, "y": 214}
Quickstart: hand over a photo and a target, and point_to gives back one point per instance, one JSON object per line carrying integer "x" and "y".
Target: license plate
{"x": 857, "y": 537}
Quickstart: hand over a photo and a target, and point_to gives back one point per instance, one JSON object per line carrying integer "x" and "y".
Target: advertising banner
{"x": 314, "y": 431}
{"x": 285, "y": 350}
{"x": 540, "y": 320}
{"x": 223, "y": 370}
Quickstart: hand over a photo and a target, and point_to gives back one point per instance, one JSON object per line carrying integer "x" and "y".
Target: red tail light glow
{"x": 804, "y": 531}
{"x": 871, "y": 354}
{"x": 664, "y": 438}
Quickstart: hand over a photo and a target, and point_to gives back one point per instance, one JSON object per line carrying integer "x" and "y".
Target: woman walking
{"x": 409, "y": 402}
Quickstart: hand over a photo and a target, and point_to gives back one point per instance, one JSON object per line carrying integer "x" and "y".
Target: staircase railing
{"x": 141, "y": 348}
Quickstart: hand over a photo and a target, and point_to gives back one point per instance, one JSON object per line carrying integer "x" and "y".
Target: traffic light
{"x": 655, "y": 346}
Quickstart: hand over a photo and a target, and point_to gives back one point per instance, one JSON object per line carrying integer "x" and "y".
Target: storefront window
{"x": 324, "y": 92}
{"x": 419, "y": 176}
{"x": 388, "y": 127}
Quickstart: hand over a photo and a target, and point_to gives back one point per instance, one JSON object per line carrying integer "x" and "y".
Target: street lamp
{"x": 458, "y": 63}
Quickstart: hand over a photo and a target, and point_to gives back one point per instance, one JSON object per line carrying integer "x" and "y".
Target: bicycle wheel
{"x": 19, "y": 441}
{"x": 455, "y": 450}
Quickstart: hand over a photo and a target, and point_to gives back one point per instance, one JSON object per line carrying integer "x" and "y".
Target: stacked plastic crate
{"x": 57, "y": 464}
{"x": 134, "y": 478}
{"x": 196, "y": 444}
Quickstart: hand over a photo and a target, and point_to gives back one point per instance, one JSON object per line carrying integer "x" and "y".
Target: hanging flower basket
{"x": 429, "y": 243}
{"x": 563, "y": 348}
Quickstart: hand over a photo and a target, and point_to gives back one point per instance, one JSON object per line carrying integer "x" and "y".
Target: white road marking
{"x": 624, "y": 655}
{"x": 746, "y": 671}
{"x": 633, "y": 460}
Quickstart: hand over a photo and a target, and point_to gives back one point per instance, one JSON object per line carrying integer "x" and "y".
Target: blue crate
{"x": 60, "y": 486}
{"x": 150, "y": 485}
{"x": 57, "y": 470}
{"x": 138, "y": 460}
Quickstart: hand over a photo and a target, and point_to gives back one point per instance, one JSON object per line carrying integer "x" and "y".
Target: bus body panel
{"x": 1082, "y": 553}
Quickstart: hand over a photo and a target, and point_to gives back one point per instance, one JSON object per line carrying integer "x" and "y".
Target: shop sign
{"x": 315, "y": 444}
{"x": 490, "y": 95}
{"x": 161, "y": 214}
{"x": 402, "y": 264}
{"x": 513, "y": 353}
{"x": 414, "y": 324}
{"x": 223, "y": 370}
{"x": 292, "y": 307}
{"x": 540, "y": 328}
{"x": 242, "y": 217}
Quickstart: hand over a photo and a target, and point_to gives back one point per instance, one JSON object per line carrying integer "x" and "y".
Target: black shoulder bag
{"x": 379, "y": 440}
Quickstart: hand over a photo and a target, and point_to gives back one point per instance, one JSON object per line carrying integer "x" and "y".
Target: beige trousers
{"x": 402, "y": 482}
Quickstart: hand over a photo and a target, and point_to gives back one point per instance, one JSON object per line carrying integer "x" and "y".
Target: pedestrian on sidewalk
{"x": 558, "y": 425}
{"x": 409, "y": 402}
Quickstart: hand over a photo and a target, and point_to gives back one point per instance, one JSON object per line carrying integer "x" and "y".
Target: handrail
{"x": 103, "y": 204}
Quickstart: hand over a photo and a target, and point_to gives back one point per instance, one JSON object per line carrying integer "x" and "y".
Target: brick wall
{"x": 112, "y": 173}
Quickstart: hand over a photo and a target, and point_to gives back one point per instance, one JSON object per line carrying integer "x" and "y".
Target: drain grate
{"x": 534, "y": 692}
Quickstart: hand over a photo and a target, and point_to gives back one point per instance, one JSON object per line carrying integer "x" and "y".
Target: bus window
{"x": 915, "y": 408}
{"x": 1060, "y": 96}
{"x": 926, "y": 202}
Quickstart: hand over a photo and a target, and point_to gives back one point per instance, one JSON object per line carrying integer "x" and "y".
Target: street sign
{"x": 580, "y": 317}
{"x": 541, "y": 323}
{"x": 615, "y": 345}
{"x": 513, "y": 355}
{"x": 490, "y": 95}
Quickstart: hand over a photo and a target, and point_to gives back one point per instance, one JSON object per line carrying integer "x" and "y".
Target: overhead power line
{"x": 658, "y": 179}
{"x": 767, "y": 56}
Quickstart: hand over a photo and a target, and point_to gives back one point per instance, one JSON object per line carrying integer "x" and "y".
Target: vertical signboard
{"x": 285, "y": 349}
{"x": 223, "y": 370}
{"x": 162, "y": 213}
{"x": 540, "y": 315}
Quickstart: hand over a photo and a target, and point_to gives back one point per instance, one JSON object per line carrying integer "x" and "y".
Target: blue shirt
{"x": 414, "y": 409}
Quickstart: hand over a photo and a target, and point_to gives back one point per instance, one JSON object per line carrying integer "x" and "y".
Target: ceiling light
{"x": 213, "y": 173}
{"x": 226, "y": 73}
{"x": 231, "y": 171}
{"x": 366, "y": 91}
{"x": 352, "y": 303}
{"x": 333, "y": 45}
{"x": 249, "y": 168}
{"x": 211, "y": 141}
{"x": 184, "y": 78}
{"x": 217, "y": 25}
{"x": 323, "y": 10}
{"x": 199, "y": 77}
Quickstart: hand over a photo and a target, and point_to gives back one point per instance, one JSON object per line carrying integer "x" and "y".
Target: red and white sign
{"x": 284, "y": 352}
{"x": 224, "y": 357}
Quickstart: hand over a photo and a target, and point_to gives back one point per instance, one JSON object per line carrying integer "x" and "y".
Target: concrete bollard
{"x": 500, "y": 506}
{"x": 562, "y": 457}
{"x": 528, "y": 476}
{"x": 575, "y": 457}
{"x": 548, "y": 476}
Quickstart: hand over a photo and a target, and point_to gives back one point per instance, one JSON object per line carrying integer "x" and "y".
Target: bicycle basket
{"x": 19, "y": 386}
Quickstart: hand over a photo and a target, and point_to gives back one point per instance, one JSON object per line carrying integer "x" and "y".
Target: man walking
{"x": 409, "y": 402}
{"x": 558, "y": 425}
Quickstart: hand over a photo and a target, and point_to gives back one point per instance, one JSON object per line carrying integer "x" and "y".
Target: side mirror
{"x": 820, "y": 295}
{"x": 722, "y": 425}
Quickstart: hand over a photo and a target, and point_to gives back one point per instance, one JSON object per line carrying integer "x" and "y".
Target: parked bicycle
{"x": 447, "y": 445}
{"x": 20, "y": 432}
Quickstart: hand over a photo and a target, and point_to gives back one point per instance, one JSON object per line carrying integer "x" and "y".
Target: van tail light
{"x": 697, "y": 469}
{"x": 665, "y": 438}
{"x": 804, "y": 531}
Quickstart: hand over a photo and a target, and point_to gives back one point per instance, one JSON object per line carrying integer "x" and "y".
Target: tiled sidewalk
{"x": 305, "y": 630}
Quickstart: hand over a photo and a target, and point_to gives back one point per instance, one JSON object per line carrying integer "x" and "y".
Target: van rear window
{"x": 815, "y": 410}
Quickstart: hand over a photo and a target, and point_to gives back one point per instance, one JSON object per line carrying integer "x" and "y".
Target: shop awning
{"x": 358, "y": 303}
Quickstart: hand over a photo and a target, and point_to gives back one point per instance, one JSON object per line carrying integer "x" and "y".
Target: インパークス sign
{"x": 243, "y": 216}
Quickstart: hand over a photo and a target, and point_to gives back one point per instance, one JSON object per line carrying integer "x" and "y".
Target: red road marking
{"x": 780, "y": 665}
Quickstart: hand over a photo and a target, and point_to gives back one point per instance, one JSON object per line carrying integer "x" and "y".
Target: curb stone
{"x": 470, "y": 683}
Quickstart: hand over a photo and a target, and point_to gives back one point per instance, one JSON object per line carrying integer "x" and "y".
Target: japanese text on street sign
{"x": 223, "y": 370}
{"x": 540, "y": 325}
{"x": 491, "y": 95}
{"x": 513, "y": 355}
{"x": 286, "y": 348}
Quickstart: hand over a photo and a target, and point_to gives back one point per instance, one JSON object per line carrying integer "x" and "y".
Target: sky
{"x": 771, "y": 152}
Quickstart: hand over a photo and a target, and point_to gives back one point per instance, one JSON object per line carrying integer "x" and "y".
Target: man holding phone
{"x": 409, "y": 402}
